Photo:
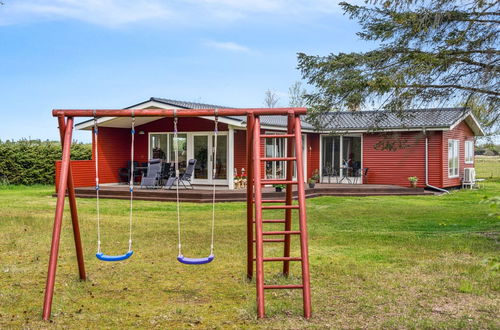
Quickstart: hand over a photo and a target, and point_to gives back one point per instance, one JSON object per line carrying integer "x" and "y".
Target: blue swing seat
{"x": 195, "y": 261}
{"x": 104, "y": 257}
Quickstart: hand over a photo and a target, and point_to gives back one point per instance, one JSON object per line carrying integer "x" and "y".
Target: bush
{"x": 33, "y": 161}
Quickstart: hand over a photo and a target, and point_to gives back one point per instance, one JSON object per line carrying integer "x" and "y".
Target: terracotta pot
{"x": 413, "y": 184}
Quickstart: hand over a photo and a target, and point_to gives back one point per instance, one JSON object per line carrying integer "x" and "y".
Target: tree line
{"x": 30, "y": 162}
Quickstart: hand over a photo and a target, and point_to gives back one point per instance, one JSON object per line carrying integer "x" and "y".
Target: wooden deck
{"x": 204, "y": 194}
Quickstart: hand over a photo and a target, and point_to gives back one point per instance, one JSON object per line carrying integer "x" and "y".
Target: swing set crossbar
{"x": 178, "y": 113}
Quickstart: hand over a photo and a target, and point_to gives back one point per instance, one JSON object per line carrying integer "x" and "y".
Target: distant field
{"x": 487, "y": 166}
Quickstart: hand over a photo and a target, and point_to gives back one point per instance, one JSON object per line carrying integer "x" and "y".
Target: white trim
{"x": 230, "y": 157}
{"x": 458, "y": 159}
{"x": 470, "y": 142}
{"x": 190, "y": 152}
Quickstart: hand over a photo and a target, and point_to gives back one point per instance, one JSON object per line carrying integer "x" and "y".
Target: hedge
{"x": 30, "y": 162}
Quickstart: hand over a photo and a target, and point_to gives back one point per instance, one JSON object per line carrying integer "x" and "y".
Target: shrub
{"x": 33, "y": 161}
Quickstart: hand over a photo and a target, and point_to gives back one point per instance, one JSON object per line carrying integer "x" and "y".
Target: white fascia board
{"x": 471, "y": 120}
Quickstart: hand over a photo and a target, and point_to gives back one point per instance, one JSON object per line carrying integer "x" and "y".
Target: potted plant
{"x": 314, "y": 178}
{"x": 279, "y": 187}
{"x": 413, "y": 181}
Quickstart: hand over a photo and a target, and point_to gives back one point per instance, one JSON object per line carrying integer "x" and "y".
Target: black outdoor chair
{"x": 153, "y": 176}
{"x": 124, "y": 172}
{"x": 361, "y": 173}
{"x": 185, "y": 178}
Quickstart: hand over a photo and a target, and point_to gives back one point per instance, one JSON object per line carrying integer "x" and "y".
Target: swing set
{"x": 255, "y": 207}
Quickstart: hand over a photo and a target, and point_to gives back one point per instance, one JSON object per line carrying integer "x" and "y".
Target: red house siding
{"x": 83, "y": 173}
{"x": 114, "y": 152}
{"x": 313, "y": 153}
{"x": 240, "y": 150}
{"x": 462, "y": 133}
{"x": 394, "y": 167}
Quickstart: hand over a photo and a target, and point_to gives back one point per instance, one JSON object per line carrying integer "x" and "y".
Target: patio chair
{"x": 153, "y": 176}
{"x": 361, "y": 173}
{"x": 185, "y": 178}
{"x": 124, "y": 172}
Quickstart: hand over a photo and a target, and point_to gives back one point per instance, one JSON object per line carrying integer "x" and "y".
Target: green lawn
{"x": 386, "y": 262}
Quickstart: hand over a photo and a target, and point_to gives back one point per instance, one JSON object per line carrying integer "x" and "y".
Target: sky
{"x": 115, "y": 53}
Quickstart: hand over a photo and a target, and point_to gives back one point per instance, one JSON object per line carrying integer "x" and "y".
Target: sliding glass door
{"x": 340, "y": 158}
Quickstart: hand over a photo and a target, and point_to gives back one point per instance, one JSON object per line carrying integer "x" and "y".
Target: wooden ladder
{"x": 294, "y": 139}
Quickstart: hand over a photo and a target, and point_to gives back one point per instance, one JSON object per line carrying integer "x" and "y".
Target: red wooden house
{"x": 434, "y": 145}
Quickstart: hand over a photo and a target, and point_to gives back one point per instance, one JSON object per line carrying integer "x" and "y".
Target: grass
{"x": 377, "y": 262}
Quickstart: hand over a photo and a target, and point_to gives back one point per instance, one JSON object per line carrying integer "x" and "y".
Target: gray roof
{"x": 345, "y": 121}
{"x": 407, "y": 119}
{"x": 183, "y": 104}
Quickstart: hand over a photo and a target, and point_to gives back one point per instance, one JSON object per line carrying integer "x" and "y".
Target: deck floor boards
{"x": 204, "y": 194}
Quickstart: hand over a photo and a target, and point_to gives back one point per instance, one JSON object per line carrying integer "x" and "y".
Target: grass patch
{"x": 487, "y": 167}
{"x": 405, "y": 262}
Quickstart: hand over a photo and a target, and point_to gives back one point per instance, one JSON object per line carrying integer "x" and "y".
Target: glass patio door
{"x": 203, "y": 147}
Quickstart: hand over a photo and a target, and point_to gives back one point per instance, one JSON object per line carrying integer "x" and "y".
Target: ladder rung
{"x": 282, "y": 232}
{"x": 276, "y": 136}
{"x": 277, "y": 182}
{"x": 272, "y": 240}
{"x": 278, "y": 207}
{"x": 272, "y": 221}
{"x": 272, "y": 201}
{"x": 277, "y": 159}
{"x": 282, "y": 259}
{"x": 293, "y": 286}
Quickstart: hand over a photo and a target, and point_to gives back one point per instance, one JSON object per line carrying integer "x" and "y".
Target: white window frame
{"x": 454, "y": 153}
{"x": 469, "y": 152}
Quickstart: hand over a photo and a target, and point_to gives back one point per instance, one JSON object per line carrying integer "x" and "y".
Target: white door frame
{"x": 190, "y": 153}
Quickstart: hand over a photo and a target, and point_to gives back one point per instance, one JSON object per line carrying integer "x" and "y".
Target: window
{"x": 453, "y": 157}
{"x": 469, "y": 152}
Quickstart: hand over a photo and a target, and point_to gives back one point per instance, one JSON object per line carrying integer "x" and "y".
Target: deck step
{"x": 288, "y": 286}
{"x": 281, "y": 232}
{"x": 276, "y": 136}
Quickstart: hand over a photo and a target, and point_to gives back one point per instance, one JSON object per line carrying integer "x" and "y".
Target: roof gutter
{"x": 427, "y": 185}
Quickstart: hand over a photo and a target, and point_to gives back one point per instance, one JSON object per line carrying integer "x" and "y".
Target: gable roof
{"x": 181, "y": 104}
{"x": 338, "y": 121}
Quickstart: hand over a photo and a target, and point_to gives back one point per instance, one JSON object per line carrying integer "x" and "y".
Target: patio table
{"x": 345, "y": 174}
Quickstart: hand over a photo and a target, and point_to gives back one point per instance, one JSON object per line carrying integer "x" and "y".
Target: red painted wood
{"x": 313, "y": 153}
{"x": 462, "y": 133}
{"x": 240, "y": 151}
{"x": 171, "y": 112}
{"x": 394, "y": 167}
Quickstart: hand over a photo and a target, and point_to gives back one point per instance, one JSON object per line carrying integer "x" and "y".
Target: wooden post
{"x": 74, "y": 210}
{"x": 306, "y": 286}
{"x": 250, "y": 178}
{"x": 56, "y": 233}
{"x": 289, "y": 194}
{"x": 259, "y": 251}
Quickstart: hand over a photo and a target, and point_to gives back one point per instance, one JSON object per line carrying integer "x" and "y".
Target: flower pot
{"x": 278, "y": 189}
{"x": 413, "y": 184}
{"x": 311, "y": 185}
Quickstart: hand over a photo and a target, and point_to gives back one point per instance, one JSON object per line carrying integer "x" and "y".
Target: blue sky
{"x": 114, "y": 53}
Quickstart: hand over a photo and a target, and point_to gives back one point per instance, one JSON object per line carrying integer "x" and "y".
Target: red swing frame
{"x": 66, "y": 121}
